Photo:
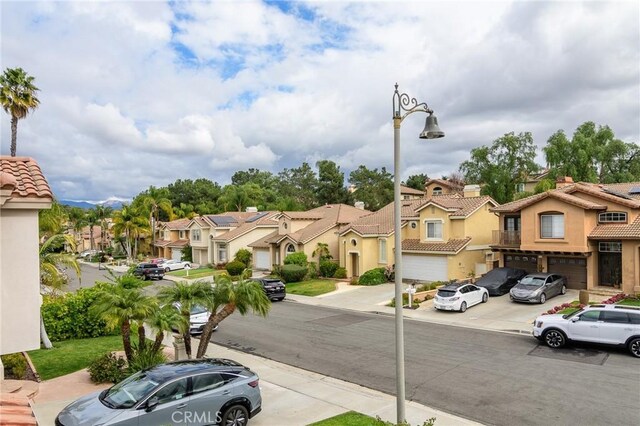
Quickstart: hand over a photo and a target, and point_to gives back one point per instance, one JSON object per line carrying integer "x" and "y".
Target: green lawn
{"x": 350, "y": 418}
{"x": 72, "y": 355}
{"x": 196, "y": 273}
{"x": 311, "y": 287}
{"x": 630, "y": 302}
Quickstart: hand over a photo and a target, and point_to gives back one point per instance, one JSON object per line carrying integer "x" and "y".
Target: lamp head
{"x": 431, "y": 129}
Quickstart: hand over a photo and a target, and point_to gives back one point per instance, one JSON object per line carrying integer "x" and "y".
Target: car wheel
{"x": 167, "y": 269}
{"x": 543, "y": 298}
{"x": 563, "y": 290}
{"x": 554, "y": 339}
{"x": 236, "y": 415}
{"x": 634, "y": 347}
{"x": 485, "y": 297}
{"x": 463, "y": 307}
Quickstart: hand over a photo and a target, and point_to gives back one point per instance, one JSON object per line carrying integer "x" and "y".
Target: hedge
{"x": 297, "y": 258}
{"x": 340, "y": 273}
{"x": 373, "y": 277}
{"x": 328, "y": 268}
{"x": 293, "y": 273}
{"x": 235, "y": 268}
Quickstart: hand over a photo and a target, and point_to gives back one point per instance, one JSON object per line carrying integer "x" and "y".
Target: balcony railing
{"x": 506, "y": 238}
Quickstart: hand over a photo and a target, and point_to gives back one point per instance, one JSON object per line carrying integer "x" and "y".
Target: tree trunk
{"x": 158, "y": 342}
{"x": 44, "y": 336}
{"x": 142, "y": 338}
{"x": 125, "y": 329}
{"x": 153, "y": 234}
{"x": 14, "y": 134}
{"x": 91, "y": 236}
{"x": 214, "y": 319}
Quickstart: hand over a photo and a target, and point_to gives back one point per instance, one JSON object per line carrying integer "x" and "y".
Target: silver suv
{"x": 606, "y": 324}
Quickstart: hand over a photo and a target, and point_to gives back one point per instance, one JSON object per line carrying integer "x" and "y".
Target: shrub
{"x": 340, "y": 273}
{"x": 354, "y": 281}
{"x": 313, "y": 271}
{"x": 297, "y": 258}
{"x": 373, "y": 277}
{"x": 146, "y": 358}
{"x": 277, "y": 271}
{"x": 107, "y": 368}
{"x": 405, "y": 301}
{"x": 293, "y": 273}
{"x": 235, "y": 268}
{"x": 328, "y": 268}
{"x": 221, "y": 265}
{"x": 244, "y": 256}
{"x": 15, "y": 365}
{"x": 186, "y": 253}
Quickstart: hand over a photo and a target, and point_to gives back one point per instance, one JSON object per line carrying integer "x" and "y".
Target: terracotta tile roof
{"x": 451, "y": 246}
{"x": 459, "y": 206}
{"x": 410, "y": 191}
{"x": 177, "y": 243}
{"x": 200, "y": 221}
{"x": 162, "y": 243}
{"x": 446, "y": 183}
{"x": 625, "y": 188}
{"x": 310, "y": 215}
{"x": 600, "y": 191}
{"x": 24, "y": 177}
{"x": 264, "y": 221}
{"x": 617, "y": 231}
{"x": 178, "y": 224}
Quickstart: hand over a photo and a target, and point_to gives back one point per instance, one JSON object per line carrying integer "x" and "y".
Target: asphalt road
{"x": 489, "y": 377}
{"x": 91, "y": 274}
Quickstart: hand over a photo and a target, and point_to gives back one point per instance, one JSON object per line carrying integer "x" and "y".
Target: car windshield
{"x": 532, "y": 281}
{"x": 198, "y": 310}
{"x": 446, "y": 293}
{"x": 127, "y": 393}
{"x": 572, "y": 314}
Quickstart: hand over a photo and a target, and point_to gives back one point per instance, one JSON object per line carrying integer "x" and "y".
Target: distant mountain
{"x": 113, "y": 202}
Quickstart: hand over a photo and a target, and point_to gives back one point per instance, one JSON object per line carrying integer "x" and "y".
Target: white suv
{"x": 606, "y": 324}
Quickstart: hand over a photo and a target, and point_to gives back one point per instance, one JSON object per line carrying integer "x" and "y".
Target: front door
{"x": 354, "y": 265}
{"x": 610, "y": 268}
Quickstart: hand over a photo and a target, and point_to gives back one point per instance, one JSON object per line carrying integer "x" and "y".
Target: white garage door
{"x": 176, "y": 254}
{"x": 262, "y": 259}
{"x": 424, "y": 268}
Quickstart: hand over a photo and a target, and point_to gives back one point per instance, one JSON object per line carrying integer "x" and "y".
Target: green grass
{"x": 72, "y": 355}
{"x": 196, "y": 273}
{"x": 350, "y": 418}
{"x": 566, "y": 311}
{"x": 629, "y": 302}
{"x": 311, "y": 287}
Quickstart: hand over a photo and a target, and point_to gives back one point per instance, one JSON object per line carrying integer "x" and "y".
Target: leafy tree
{"x": 265, "y": 180}
{"x": 52, "y": 221}
{"x": 156, "y": 201}
{"x": 243, "y": 255}
{"x": 300, "y": 184}
{"x": 330, "y": 186}
{"x": 500, "y": 167}
{"x": 373, "y": 187}
{"x": 18, "y": 97}
{"x": 417, "y": 181}
{"x": 234, "y": 198}
{"x": 226, "y": 298}
{"x": 130, "y": 222}
{"x": 592, "y": 155}
{"x": 200, "y": 192}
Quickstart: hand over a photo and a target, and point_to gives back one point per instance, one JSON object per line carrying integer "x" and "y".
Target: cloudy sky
{"x": 142, "y": 93}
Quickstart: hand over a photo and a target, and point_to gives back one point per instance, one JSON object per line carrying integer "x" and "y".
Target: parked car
{"x": 87, "y": 254}
{"x": 499, "y": 281}
{"x": 172, "y": 265}
{"x": 456, "y": 297}
{"x": 605, "y": 324}
{"x": 537, "y": 288}
{"x": 148, "y": 271}
{"x": 198, "y": 318}
{"x": 273, "y": 287}
{"x": 158, "y": 260}
{"x": 210, "y": 391}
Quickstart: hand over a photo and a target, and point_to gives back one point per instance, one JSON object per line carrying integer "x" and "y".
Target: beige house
{"x": 590, "y": 233}
{"x": 302, "y": 231}
{"x": 23, "y": 193}
{"x": 441, "y": 187}
{"x": 172, "y": 238}
{"x": 443, "y": 237}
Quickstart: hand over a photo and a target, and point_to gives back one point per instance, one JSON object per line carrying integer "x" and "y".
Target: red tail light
{"x": 254, "y": 383}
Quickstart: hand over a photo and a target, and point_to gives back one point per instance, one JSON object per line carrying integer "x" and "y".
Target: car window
{"x": 590, "y": 316}
{"x": 446, "y": 293}
{"x": 634, "y": 318}
{"x": 464, "y": 289}
{"x": 172, "y": 392}
{"x": 206, "y": 382}
{"x": 532, "y": 281}
{"x": 615, "y": 317}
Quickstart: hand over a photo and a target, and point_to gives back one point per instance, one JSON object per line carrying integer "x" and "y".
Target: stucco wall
{"x": 630, "y": 267}
{"x": 19, "y": 281}
{"x": 248, "y": 238}
{"x": 575, "y": 232}
{"x": 434, "y": 213}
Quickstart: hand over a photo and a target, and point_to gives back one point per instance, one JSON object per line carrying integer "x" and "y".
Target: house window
{"x": 166, "y": 235}
{"x": 610, "y": 247}
{"x": 552, "y": 226}
{"x": 437, "y": 191}
{"x": 382, "y": 251}
{"x": 520, "y": 187}
{"x": 195, "y": 234}
{"x": 181, "y": 235}
{"x": 290, "y": 248}
{"x": 434, "y": 229}
{"x": 612, "y": 217}
{"x": 222, "y": 252}
{"x": 512, "y": 223}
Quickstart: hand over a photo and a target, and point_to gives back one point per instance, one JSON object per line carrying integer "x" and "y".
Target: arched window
{"x": 290, "y": 249}
{"x": 437, "y": 191}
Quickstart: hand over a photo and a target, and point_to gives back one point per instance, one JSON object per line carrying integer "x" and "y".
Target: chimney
{"x": 471, "y": 191}
{"x": 563, "y": 181}
{"x": 359, "y": 205}
{"x": 251, "y": 210}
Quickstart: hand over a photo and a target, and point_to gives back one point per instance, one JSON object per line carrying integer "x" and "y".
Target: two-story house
{"x": 588, "y": 232}
{"x": 172, "y": 238}
{"x": 442, "y": 187}
{"x": 443, "y": 237}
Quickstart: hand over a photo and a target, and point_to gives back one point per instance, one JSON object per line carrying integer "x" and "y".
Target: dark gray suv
{"x": 190, "y": 392}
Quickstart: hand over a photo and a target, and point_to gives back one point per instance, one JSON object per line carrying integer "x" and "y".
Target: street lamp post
{"x": 403, "y": 105}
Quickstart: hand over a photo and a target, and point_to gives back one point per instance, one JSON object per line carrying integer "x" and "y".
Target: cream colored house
{"x": 590, "y": 233}
{"x": 172, "y": 238}
{"x": 443, "y": 237}
{"x": 23, "y": 193}
{"x": 441, "y": 187}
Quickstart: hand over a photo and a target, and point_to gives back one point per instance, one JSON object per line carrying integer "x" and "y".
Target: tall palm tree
{"x": 76, "y": 221}
{"x": 131, "y": 223}
{"x": 102, "y": 214}
{"x": 228, "y": 297}
{"x": 156, "y": 200}
{"x": 187, "y": 296}
{"x": 165, "y": 320}
{"x": 91, "y": 218}
{"x": 18, "y": 97}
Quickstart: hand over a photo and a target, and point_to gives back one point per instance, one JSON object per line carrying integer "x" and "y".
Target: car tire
{"x": 554, "y": 338}
{"x": 236, "y": 415}
{"x": 280, "y": 299}
{"x": 634, "y": 347}
{"x": 543, "y": 298}
{"x": 563, "y": 290}
{"x": 463, "y": 307}
{"x": 485, "y": 297}
{"x": 167, "y": 270}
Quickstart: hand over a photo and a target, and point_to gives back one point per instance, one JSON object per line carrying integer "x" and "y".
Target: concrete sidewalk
{"x": 291, "y": 396}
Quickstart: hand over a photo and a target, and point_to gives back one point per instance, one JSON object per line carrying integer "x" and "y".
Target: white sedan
{"x": 456, "y": 297}
{"x": 172, "y": 265}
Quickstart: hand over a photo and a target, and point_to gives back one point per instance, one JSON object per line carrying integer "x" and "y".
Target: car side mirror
{"x": 151, "y": 403}
{"x": 575, "y": 319}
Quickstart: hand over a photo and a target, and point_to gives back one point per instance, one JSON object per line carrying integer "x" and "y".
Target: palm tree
{"x": 18, "y": 97}
{"x": 51, "y": 221}
{"x": 131, "y": 223}
{"x": 156, "y": 200}
{"x": 187, "y": 296}
{"x": 102, "y": 213}
{"x": 76, "y": 217}
{"x": 164, "y": 320}
{"x": 322, "y": 251}
{"x": 226, "y": 298}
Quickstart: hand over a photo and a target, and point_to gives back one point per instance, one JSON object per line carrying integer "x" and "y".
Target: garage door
{"x": 262, "y": 259}
{"x": 574, "y": 268}
{"x": 424, "y": 268}
{"x": 518, "y": 261}
{"x": 176, "y": 254}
